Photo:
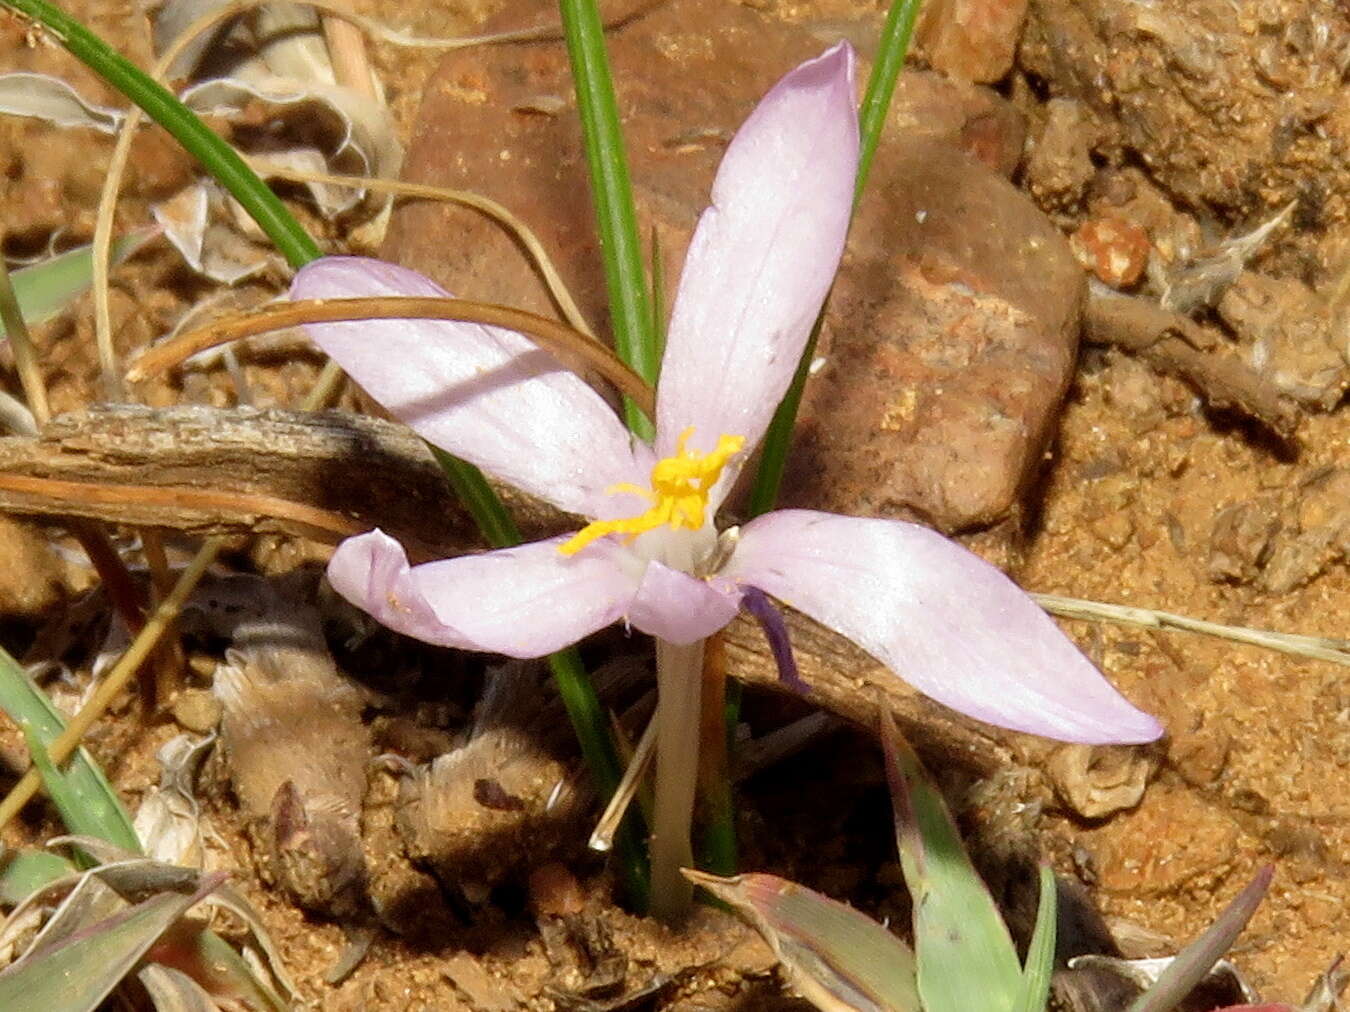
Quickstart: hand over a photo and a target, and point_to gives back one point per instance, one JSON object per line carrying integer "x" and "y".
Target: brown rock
{"x": 1241, "y": 541}
{"x": 197, "y": 710}
{"x": 971, "y": 39}
{"x": 1099, "y": 781}
{"x": 31, "y": 574}
{"x": 1060, "y": 167}
{"x": 954, "y": 327}
{"x": 953, "y": 283}
{"x": 1288, "y": 337}
{"x": 1226, "y": 106}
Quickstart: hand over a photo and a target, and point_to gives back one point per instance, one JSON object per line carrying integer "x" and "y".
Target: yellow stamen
{"x": 679, "y": 493}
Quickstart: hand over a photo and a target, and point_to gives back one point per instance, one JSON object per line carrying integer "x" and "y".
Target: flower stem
{"x": 679, "y": 677}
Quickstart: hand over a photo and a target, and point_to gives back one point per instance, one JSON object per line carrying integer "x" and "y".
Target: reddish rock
{"x": 952, "y": 336}
{"x": 1116, "y": 251}
{"x": 955, "y": 316}
{"x": 973, "y": 40}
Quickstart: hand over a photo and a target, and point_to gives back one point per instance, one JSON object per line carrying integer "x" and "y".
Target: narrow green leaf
{"x": 46, "y": 288}
{"x": 1040, "y": 964}
{"x": 876, "y": 102}
{"x": 484, "y": 505}
{"x": 24, "y": 872}
{"x": 612, "y": 191}
{"x": 840, "y": 959}
{"x": 1194, "y": 962}
{"x": 82, "y": 794}
{"x": 966, "y": 958}
{"x": 891, "y": 50}
{"x": 219, "y": 159}
{"x": 658, "y": 270}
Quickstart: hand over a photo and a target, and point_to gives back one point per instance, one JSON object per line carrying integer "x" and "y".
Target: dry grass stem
{"x": 602, "y": 837}
{"x": 1335, "y": 651}
{"x": 556, "y": 337}
{"x": 502, "y": 215}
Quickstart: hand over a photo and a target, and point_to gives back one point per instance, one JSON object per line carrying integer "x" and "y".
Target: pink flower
{"x": 757, "y": 271}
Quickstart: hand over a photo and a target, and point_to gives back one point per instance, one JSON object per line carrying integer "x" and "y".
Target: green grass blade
{"x": 484, "y": 505}
{"x": 219, "y": 159}
{"x": 87, "y": 803}
{"x": 612, "y": 191}
{"x": 871, "y": 118}
{"x": 966, "y": 957}
{"x": 601, "y": 757}
{"x": 891, "y": 50}
{"x": 24, "y": 872}
{"x": 46, "y": 288}
{"x": 1040, "y": 964}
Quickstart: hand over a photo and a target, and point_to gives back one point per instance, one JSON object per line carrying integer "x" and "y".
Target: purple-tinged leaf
{"x": 1194, "y": 962}
{"x": 839, "y": 959}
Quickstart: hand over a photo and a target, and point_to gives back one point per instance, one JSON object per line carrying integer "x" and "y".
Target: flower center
{"x": 679, "y": 493}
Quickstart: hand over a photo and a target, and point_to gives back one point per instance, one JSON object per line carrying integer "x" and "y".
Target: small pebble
{"x": 196, "y": 710}
{"x": 555, "y": 891}
{"x": 1113, "y": 249}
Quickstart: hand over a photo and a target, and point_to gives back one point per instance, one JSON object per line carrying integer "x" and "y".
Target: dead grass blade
{"x": 549, "y": 334}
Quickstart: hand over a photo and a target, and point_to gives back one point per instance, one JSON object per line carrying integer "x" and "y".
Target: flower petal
{"x": 678, "y": 608}
{"x": 945, "y": 620}
{"x": 522, "y": 602}
{"x": 762, "y": 258}
{"x": 486, "y": 394}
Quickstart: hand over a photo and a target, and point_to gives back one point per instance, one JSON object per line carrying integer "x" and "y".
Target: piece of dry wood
{"x": 205, "y": 470}
{"x": 1180, "y": 347}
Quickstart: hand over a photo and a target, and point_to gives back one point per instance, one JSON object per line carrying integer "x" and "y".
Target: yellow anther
{"x": 679, "y": 493}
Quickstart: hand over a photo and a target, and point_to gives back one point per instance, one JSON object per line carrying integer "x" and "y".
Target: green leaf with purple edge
{"x": 839, "y": 959}
{"x": 1196, "y": 960}
{"x": 965, "y": 956}
{"x": 1040, "y": 964}
{"x": 77, "y": 973}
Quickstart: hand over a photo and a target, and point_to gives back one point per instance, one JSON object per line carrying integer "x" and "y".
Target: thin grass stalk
{"x": 612, "y": 192}
{"x": 895, "y": 36}
{"x": 21, "y": 343}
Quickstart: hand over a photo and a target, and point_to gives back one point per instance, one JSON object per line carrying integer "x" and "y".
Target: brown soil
{"x": 1134, "y": 508}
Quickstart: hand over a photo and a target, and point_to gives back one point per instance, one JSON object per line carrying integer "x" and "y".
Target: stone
{"x": 1237, "y": 108}
{"x": 1113, "y": 249}
{"x": 1059, "y": 166}
{"x": 973, "y": 40}
{"x": 953, "y": 325}
{"x": 1287, "y": 336}
{"x": 197, "y": 710}
{"x": 949, "y": 343}
{"x": 31, "y": 574}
